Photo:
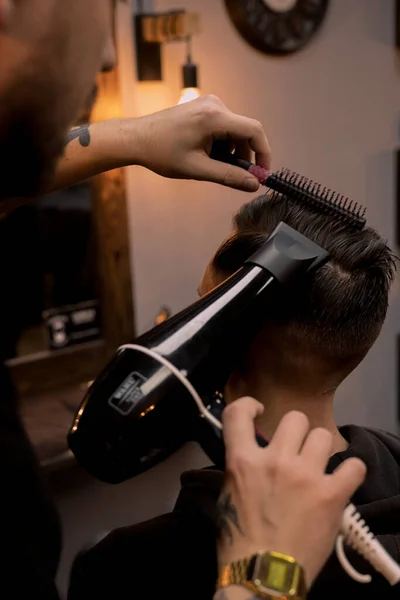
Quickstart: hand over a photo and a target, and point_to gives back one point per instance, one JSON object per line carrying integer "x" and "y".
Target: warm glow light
{"x": 189, "y": 94}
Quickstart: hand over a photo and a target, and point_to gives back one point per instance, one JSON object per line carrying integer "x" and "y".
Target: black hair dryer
{"x": 147, "y": 402}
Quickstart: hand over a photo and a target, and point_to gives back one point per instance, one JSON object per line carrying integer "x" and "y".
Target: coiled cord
{"x": 358, "y": 535}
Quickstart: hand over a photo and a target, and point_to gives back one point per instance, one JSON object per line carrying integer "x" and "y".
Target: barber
{"x": 278, "y": 512}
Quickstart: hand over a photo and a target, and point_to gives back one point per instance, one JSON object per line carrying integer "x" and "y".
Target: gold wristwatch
{"x": 268, "y": 575}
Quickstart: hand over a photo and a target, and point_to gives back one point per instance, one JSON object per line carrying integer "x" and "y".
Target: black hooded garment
{"x": 174, "y": 555}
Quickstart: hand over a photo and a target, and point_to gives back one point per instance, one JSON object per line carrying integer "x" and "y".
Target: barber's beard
{"x": 31, "y": 138}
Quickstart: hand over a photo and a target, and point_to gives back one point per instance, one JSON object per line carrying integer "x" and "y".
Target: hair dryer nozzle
{"x": 287, "y": 253}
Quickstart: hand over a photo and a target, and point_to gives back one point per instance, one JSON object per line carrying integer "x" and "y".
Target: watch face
{"x": 277, "y": 26}
{"x": 273, "y": 573}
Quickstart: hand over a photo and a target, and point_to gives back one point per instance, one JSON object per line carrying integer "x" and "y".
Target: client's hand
{"x": 279, "y": 498}
{"x": 176, "y": 142}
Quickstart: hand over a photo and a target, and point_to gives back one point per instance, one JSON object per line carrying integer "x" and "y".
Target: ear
{"x": 6, "y": 7}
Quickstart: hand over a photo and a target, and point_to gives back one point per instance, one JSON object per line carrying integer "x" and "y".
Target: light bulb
{"x": 189, "y": 94}
{"x": 190, "y": 89}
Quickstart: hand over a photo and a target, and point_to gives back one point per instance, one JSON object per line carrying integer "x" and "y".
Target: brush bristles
{"x": 320, "y": 199}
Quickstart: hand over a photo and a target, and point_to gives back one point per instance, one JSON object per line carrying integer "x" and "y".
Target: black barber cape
{"x": 29, "y": 526}
{"x": 173, "y": 556}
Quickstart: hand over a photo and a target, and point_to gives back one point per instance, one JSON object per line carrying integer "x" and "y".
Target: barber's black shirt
{"x": 29, "y": 525}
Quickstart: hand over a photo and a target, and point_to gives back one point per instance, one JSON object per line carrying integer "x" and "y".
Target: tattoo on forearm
{"x": 82, "y": 133}
{"x": 227, "y": 516}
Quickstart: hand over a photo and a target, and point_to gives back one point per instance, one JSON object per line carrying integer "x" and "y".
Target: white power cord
{"x": 353, "y": 530}
{"x": 357, "y": 535}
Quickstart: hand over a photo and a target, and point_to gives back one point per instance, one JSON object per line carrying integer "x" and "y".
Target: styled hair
{"x": 337, "y": 311}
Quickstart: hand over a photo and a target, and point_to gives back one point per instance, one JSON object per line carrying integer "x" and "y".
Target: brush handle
{"x": 220, "y": 151}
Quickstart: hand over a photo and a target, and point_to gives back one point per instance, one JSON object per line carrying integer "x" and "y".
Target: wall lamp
{"x": 154, "y": 29}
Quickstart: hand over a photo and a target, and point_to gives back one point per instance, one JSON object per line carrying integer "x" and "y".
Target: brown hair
{"x": 339, "y": 310}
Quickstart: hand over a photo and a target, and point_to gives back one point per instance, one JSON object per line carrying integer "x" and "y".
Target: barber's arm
{"x": 279, "y": 512}
{"x": 175, "y": 142}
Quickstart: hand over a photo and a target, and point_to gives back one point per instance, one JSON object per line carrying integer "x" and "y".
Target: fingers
{"x": 290, "y": 434}
{"x": 207, "y": 169}
{"x": 317, "y": 448}
{"x": 209, "y": 121}
{"x": 227, "y": 125}
{"x": 238, "y": 424}
{"x": 243, "y": 128}
{"x": 348, "y": 477}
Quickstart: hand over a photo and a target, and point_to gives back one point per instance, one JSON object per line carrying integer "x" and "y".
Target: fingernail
{"x": 251, "y": 185}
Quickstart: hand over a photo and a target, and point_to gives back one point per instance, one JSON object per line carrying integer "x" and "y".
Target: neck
{"x": 278, "y": 401}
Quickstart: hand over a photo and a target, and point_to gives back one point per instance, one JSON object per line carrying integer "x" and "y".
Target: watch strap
{"x": 268, "y": 575}
{"x": 237, "y": 572}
